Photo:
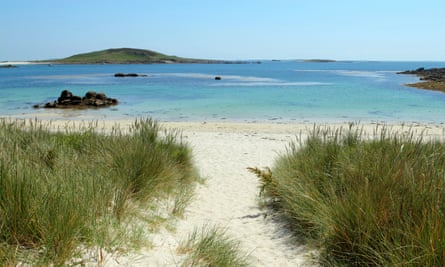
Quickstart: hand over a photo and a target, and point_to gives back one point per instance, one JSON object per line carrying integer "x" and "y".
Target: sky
{"x": 226, "y": 29}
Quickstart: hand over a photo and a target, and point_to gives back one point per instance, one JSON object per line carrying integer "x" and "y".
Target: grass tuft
{"x": 64, "y": 192}
{"x": 211, "y": 246}
{"x": 364, "y": 201}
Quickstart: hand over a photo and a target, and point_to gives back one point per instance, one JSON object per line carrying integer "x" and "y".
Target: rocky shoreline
{"x": 431, "y": 79}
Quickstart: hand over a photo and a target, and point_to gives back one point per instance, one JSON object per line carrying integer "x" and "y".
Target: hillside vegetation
{"x": 126, "y": 56}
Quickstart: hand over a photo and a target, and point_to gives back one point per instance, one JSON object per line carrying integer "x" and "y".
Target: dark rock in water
{"x": 90, "y": 94}
{"x": 126, "y": 75}
{"x": 51, "y": 105}
{"x": 65, "y": 95}
{"x": 101, "y": 96}
{"x": 91, "y": 99}
{"x": 8, "y": 66}
{"x": 218, "y": 78}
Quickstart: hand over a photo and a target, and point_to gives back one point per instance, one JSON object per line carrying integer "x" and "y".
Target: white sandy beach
{"x": 229, "y": 197}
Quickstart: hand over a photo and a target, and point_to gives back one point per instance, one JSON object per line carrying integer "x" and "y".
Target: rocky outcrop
{"x": 91, "y": 99}
{"x": 432, "y": 79}
{"x": 435, "y": 74}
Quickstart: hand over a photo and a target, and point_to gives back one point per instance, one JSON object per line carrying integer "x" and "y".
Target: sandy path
{"x": 228, "y": 199}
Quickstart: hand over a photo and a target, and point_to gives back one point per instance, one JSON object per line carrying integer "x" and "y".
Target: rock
{"x": 101, "y": 96}
{"x": 51, "y": 105}
{"x": 90, "y": 94}
{"x": 65, "y": 95}
{"x": 91, "y": 99}
{"x": 99, "y": 103}
{"x": 8, "y": 66}
{"x": 126, "y": 75}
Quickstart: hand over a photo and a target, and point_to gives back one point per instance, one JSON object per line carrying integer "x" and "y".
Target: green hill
{"x": 126, "y": 56}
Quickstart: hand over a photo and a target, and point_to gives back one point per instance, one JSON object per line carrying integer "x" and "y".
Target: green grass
{"x": 124, "y": 55}
{"x": 211, "y": 246}
{"x": 363, "y": 201}
{"x": 64, "y": 192}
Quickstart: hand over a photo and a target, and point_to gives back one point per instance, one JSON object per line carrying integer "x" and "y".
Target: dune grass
{"x": 363, "y": 201}
{"x": 211, "y": 246}
{"x": 66, "y": 191}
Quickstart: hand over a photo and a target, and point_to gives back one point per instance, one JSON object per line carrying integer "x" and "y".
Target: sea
{"x": 257, "y": 91}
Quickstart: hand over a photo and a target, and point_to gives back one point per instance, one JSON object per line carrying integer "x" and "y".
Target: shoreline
{"x": 430, "y": 128}
{"x": 5, "y": 63}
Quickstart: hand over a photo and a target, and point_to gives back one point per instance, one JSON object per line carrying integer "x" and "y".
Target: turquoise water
{"x": 272, "y": 91}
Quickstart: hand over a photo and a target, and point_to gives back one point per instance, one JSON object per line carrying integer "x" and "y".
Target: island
{"x": 431, "y": 79}
{"x": 130, "y": 56}
{"x": 319, "y": 60}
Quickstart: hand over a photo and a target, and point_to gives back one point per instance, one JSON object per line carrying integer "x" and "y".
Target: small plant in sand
{"x": 364, "y": 201}
{"x": 62, "y": 193}
{"x": 211, "y": 246}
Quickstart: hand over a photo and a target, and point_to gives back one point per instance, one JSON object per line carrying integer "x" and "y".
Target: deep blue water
{"x": 272, "y": 91}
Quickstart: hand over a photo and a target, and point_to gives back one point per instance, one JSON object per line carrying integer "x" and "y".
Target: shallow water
{"x": 272, "y": 91}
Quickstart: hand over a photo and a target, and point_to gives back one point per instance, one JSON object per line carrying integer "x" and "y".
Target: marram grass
{"x": 363, "y": 201}
{"x": 63, "y": 191}
{"x": 211, "y": 246}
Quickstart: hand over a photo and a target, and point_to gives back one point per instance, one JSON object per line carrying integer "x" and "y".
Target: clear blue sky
{"x": 226, "y": 29}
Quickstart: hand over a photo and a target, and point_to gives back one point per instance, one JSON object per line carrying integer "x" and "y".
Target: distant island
{"x": 319, "y": 60}
{"x": 431, "y": 79}
{"x": 130, "y": 56}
